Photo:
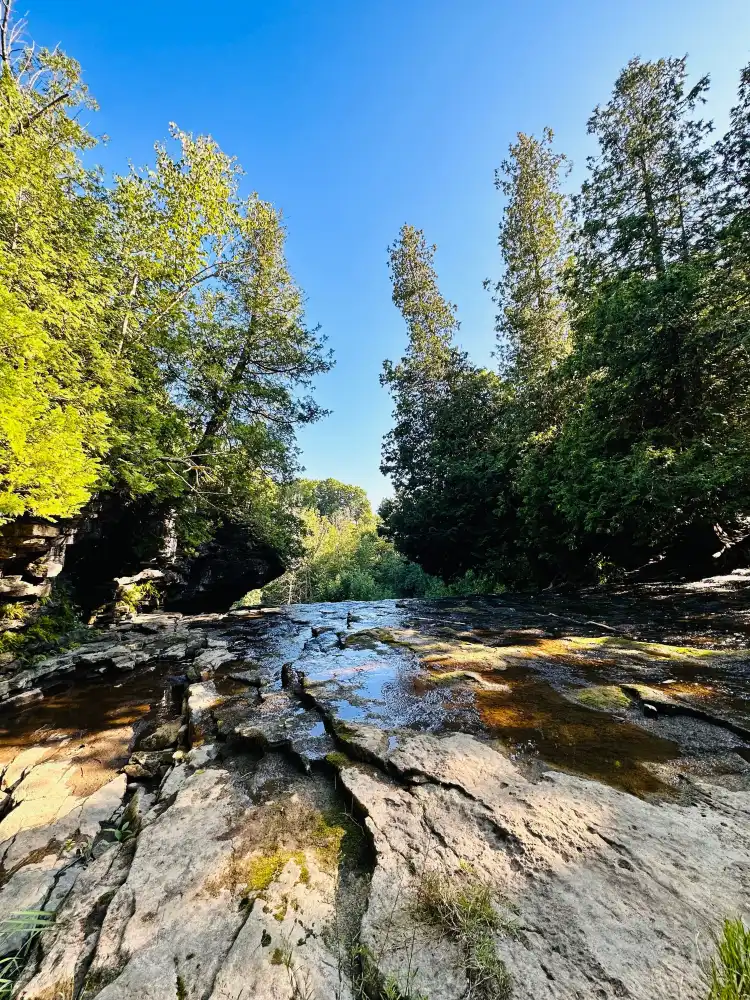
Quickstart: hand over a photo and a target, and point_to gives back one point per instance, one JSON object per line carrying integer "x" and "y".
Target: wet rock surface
{"x": 521, "y": 796}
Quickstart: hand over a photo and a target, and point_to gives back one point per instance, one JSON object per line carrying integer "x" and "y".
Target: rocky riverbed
{"x": 531, "y": 797}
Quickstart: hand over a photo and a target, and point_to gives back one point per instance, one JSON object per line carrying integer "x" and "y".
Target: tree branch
{"x": 4, "y": 48}
{"x": 209, "y": 271}
{"x": 21, "y": 128}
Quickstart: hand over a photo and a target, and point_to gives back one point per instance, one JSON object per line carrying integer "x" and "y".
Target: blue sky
{"x": 355, "y": 117}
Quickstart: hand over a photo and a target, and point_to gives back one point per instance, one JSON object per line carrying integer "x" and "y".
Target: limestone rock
{"x": 162, "y": 738}
{"x": 172, "y": 916}
{"x": 69, "y": 944}
{"x": 202, "y": 700}
{"x": 200, "y": 756}
{"x": 603, "y": 893}
{"x": 210, "y": 659}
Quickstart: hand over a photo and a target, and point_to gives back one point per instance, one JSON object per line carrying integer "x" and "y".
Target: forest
{"x": 154, "y": 351}
{"x": 612, "y": 438}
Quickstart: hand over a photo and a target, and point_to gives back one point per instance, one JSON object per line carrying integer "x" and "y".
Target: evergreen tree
{"x": 425, "y": 374}
{"x": 437, "y": 455}
{"x": 642, "y": 206}
{"x": 734, "y": 172}
{"x": 533, "y": 325}
{"x": 619, "y": 436}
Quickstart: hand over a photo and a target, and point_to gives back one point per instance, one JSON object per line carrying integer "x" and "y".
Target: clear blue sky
{"x": 355, "y": 117}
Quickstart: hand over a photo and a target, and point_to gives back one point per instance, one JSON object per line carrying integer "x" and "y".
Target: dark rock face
{"x": 118, "y": 546}
{"x": 225, "y": 569}
{"x": 115, "y": 540}
{"x": 32, "y": 554}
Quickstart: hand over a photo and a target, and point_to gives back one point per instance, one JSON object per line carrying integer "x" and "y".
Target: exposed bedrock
{"x": 448, "y": 800}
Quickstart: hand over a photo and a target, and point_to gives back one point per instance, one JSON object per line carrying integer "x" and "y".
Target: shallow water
{"x": 507, "y": 669}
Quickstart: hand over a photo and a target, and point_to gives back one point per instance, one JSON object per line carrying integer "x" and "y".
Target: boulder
{"x": 163, "y": 738}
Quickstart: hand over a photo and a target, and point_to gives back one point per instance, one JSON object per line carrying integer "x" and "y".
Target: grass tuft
{"x": 30, "y": 923}
{"x": 728, "y": 972}
{"x": 461, "y": 906}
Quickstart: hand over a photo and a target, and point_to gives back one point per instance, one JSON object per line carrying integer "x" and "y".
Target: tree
{"x": 332, "y": 499}
{"x": 153, "y": 346}
{"x": 57, "y": 373}
{"x": 344, "y": 558}
{"x": 642, "y": 205}
{"x": 617, "y": 437}
{"x": 425, "y": 373}
{"x": 439, "y": 457}
{"x": 533, "y": 324}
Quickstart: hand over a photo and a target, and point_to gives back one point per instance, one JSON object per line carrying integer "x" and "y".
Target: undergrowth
{"x": 141, "y": 595}
{"x": 53, "y": 626}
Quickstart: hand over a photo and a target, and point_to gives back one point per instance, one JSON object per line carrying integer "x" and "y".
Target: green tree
{"x": 533, "y": 324}
{"x": 439, "y": 455}
{"x": 333, "y": 499}
{"x": 642, "y": 205}
{"x": 153, "y": 346}
{"x": 618, "y": 437}
{"x": 424, "y": 375}
{"x": 57, "y": 373}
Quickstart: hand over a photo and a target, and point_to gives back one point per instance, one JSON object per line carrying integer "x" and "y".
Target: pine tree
{"x": 533, "y": 325}
{"x": 439, "y": 454}
{"x": 734, "y": 172}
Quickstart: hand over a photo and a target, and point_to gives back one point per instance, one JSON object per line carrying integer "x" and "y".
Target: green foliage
{"x": 729, "y": 969}
{"x": 29, "y": 924}
{"x": 122, "y": 833}
{"x": 53, "y": 626}
{"x": 139, "y": 595}
{"x": 56, "y": 371}
{"x": 152, "y": 340}
{"x": 616, "y": 435}
{"x": 15, "y": 611}
{"x": 344, "y": 557}
{"x": 533, "y": 323}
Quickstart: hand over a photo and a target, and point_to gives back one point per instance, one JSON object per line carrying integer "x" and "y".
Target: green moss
{"x": 181, "y": 988}
{"x": 338, "y": 760}
{"x": 277, "y": 957}
{"x": 604, "y": 697}
{"x": 263, "y": 870}
{"x": 304, "y": 871}
{"x": 369, "y": 638}
{"x": 336, "y": 837}
{"x": 660, "y": 650}
{"x": 280, "y": 911}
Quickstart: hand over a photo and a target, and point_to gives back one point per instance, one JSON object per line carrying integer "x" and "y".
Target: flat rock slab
{"x": 603, "y": 894}
{"x": 218, "y": 899}
{"x": 442, "y": 720}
